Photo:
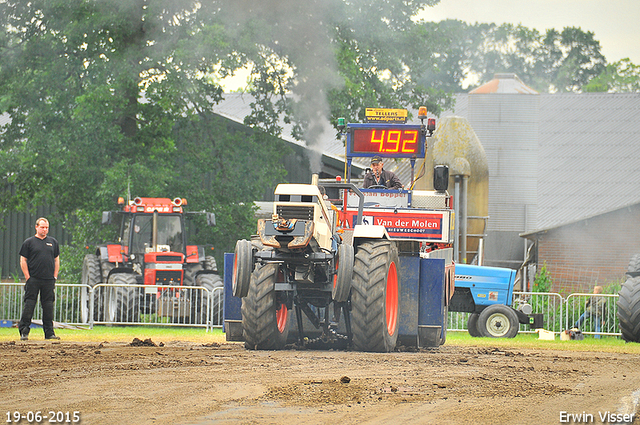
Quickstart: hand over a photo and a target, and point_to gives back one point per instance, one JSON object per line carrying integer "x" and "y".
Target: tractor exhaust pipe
{"x": 314, "y": 179}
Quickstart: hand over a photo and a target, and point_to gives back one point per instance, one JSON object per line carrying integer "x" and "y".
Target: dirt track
{"x": 188, "y": 383}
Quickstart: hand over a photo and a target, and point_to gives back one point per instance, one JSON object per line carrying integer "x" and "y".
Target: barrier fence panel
{"x": 550, "y": 304}
{"x": 559, "y": 314}
{"x": 122, "y": 304}
{"x": 154, "y": 305}
{"x": 66, "y": 310}
{"x": 457, "y": 321}
{"x": 593, "y": 314}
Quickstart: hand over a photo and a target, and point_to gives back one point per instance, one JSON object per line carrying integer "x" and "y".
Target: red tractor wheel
{"x": 375, "y": 297}
{"x": 265, "y": 321}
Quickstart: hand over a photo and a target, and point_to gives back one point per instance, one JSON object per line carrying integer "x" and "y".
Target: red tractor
{"x": 142, "y": 270}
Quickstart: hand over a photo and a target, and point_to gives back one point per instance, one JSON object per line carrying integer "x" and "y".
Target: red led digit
{"x": 393, "y": 141}
{"x": 380, "y": 141}
{"x": 409, "y": 144}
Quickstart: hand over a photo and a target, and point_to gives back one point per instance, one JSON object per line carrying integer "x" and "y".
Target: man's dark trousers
{"x": 46, "y": 289}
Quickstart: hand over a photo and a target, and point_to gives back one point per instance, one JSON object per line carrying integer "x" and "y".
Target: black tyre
{"x": 629, "y": 309}
{"x": 90, "y": 277}
{"x": 122, "y": 302}
{"x": 200, "y": 299}
{"x": 634, "y": 264}
{"x": 498, "y": 321}
{"x": 242, "y": 268}
{"x": 210, "y": 263}
{"x": 472, "y": 325}
{"x": 344, "y": 268}
{"x": 443, "y": 337}
{"x": 375, "y": 297}
{"x": 265, "y": 322}
{"x": 190, "y": 273}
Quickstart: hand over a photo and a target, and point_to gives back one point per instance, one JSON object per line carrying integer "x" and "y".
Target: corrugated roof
{"x": 237, "y": 106}
{"x": 589, "y": 158}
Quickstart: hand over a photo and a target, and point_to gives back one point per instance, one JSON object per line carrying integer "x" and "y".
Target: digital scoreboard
{"x": 385, "y": 140}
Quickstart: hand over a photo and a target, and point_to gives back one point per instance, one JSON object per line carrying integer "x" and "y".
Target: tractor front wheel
{"x": 265, "y": 321}
{"x": 498, "y": 321}
{"x": 375, "y": 297}
{"x": 344, "y": 273}
{"x": 242, "y": 267}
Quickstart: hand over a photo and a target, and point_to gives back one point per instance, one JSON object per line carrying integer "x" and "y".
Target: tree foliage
{"x": 619, "y": 77}
{"x": 110, "y": 98}
{"x": 554, "y": 61}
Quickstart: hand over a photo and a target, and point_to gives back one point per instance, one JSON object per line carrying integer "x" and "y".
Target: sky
{"x": 615, "y": 23}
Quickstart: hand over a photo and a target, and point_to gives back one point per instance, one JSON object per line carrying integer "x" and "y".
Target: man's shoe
{"x": 24, "y": 337}
{"x": 52, "y": 337}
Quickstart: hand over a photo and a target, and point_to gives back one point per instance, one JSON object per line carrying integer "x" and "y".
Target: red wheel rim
{"x": 281, "y": 317}
{"x": 335, "y": 276}
{"x": 391, "y": 305}
{"x": 235, "y": 270}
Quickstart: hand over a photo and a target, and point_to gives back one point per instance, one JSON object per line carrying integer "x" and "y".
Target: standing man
{"x": 381, "y": 177}
{"x": 40, "y": 263}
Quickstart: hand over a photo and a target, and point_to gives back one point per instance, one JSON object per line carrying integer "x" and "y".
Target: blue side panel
{"x": 409, "y": 274}
{"x": 489, "y": 285}
{"x": 232, "y": 305}
{"x": 431, "y": 292}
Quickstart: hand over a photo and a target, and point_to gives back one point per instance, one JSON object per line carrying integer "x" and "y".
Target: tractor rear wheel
{"x": 199, "y": 301}
{"x": 634, "y": 264}
{"x": 344, "y": 274}
{"x": 90, "y": 278}
{"x": 472, "y": 325}
{"x": 242, "y": 267}
{"x": 122, "y": 301}
{"x": 265, "y": 321}
{"x": 498, "y": 321}
{"x": 629, "y": 309}
{"x": 210, "y": 263}
{"x": 375, "y": 297}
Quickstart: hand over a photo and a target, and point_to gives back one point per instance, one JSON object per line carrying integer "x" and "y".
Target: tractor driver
{"x": 378, "y": 176}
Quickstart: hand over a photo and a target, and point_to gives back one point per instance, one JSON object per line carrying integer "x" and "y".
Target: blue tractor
{"x": 486, "y": 293}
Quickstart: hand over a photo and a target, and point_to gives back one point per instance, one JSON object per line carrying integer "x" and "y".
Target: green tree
{"x": 619, "y": 77}
{"x": 109, "y": 98}
{"x": 554, "y": 61}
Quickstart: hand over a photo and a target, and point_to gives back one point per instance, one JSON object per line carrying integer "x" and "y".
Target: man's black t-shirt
{"x": 40, "y": 255}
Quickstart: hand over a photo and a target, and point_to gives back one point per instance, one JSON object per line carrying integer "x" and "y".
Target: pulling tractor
{"x": 373, "y": 269}
{"x": 139, "y": 274}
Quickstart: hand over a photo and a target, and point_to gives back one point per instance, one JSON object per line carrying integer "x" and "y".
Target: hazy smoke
{"x": 299, "y": 31}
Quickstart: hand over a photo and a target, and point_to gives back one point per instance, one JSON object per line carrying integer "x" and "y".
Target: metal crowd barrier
{"x": 123, "y": 305}
{"x": 66, "y": 309}
{"x": 560, "y": 313}
{"x": 197, "y": 306}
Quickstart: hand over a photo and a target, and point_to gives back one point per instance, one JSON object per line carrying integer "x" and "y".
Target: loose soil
{"x": 188, "y": 383}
